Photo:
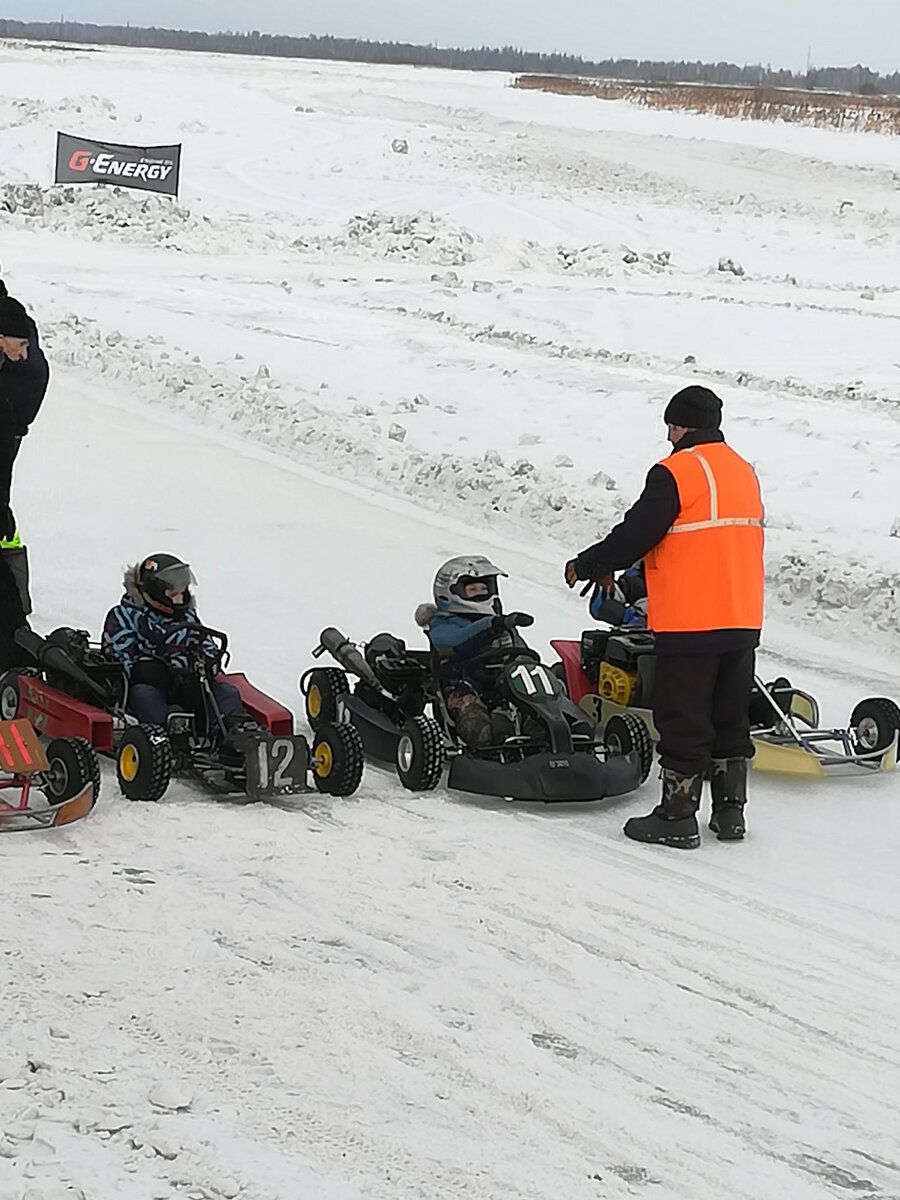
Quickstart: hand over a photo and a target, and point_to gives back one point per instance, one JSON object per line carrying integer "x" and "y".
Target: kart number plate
{"x": 277, "y": 767}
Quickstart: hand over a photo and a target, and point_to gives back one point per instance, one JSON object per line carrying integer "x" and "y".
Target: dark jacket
{"x": 644, "y": 526}
{"x": 23, "y": 385}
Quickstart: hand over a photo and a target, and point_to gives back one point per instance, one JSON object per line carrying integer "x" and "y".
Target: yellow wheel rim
{"x": 325, "y": 760}
{"x": 129, "y": 761}
{"x": 313, "y": 702}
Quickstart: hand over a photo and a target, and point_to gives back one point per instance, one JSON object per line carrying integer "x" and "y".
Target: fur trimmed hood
{"x": 424, "y": 614}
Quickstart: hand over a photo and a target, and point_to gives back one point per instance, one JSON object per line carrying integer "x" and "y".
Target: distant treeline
{"x": 486, "y": 58}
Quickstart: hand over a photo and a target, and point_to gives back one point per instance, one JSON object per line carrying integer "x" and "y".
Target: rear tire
{"x": 625, "y": 732}
{"x": 10, "y": 695}
{"x": 73, "y": 765}
{"x": 420, "y": 754}
{"x": 339, "y": 749}
{"x": 324, "y": 688}
{"x": 874, "y": 724}
{"x": 144, "y": 762}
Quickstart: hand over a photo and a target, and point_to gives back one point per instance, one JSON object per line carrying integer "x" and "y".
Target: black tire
{"x": 559, "y": 670}
{"x": 324, "y": 688}
{"x": 73, "y": 765}
{"x": 10, "y": 695}
{"x": 144, "y": 762}
{"x": 339, "y": 751}
{"x": 874, "y": 724}
{"x": 625, "y": 732}
{"x": 420, "y": 754}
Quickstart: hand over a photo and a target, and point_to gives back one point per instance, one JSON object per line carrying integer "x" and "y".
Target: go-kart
{"x": 39, "y": 787}
{"x": 397, "y": 703}
{"x": 609, "y": 673}
{"x": 72, "y": 689}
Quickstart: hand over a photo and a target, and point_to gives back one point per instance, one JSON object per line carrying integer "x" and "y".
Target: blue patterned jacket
{"x": 134, "y": 630}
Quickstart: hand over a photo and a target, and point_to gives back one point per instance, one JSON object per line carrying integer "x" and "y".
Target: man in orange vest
{"x": 698, "y": 526}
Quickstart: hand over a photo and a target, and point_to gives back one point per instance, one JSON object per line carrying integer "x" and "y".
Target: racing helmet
{"x": 467, "y": 585}
{"x": 162, "y": 573}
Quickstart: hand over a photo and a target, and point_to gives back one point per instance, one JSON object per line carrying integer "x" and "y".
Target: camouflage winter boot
{"x": 674, "y": 821}
{"x": 473, "y": 723}
{"x": 728, "y": 780}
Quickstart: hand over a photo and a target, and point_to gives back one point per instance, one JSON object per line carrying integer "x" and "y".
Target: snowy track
{"x": 396, "y": 996}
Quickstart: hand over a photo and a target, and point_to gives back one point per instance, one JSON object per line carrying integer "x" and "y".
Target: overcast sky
{"x": 779, "y": 32}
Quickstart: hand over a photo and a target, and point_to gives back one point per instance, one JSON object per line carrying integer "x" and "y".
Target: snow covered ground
{"x": 325, "y": 369}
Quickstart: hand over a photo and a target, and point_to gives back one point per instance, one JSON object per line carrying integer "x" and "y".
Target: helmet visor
{"x": 475, "y": 587}
{"x": 177, "y": 578}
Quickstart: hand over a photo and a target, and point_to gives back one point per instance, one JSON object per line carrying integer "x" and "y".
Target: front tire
{"x": 625, "y": 732}
{"x": 144, "y": 763}
{"x": 337, "y": 759}
{"x": 420, "y": 754}
{"x": 874, "y": 724}
{"x": 73, "y": 765}
{"x": 324, "y": 689}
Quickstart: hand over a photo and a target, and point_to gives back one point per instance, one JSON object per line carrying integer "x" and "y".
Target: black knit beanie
{"x": 694, "y": 407}
{"x": 13, "y": 319}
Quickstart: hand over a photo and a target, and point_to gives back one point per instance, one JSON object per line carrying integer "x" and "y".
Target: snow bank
{"x": 522, "y": 499}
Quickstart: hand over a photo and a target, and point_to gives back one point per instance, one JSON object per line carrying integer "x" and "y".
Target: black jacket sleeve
{"x": 644, "y": 525}
{"x": 24, "y": 384}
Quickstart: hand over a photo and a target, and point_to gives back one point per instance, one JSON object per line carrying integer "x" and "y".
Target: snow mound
{"x": 417, "y": 237}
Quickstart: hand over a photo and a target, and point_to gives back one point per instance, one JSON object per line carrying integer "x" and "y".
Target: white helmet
{"x": 468, "y": 584}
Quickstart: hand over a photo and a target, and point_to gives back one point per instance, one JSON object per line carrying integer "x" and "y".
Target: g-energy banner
{"x": 153, "y": 168}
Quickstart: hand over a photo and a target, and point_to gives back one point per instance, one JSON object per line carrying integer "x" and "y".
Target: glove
{"x": 570, "y": 576}
{"x": 7, "y": 524}
{"x": 506, "y": 621}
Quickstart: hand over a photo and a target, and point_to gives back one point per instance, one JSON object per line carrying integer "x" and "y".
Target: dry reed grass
{"x": 835, "y": 110}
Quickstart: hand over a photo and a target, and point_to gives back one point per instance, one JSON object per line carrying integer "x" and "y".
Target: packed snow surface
{"x": 323, "y": 369}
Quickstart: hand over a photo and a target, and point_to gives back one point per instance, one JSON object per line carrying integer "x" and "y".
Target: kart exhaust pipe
{"x": 54, "y": 658}
{"x": 344, "y": 652}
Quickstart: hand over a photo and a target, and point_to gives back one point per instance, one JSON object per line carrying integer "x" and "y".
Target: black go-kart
{"x": 72, "y": 689}
{"x": 396, "y": 702}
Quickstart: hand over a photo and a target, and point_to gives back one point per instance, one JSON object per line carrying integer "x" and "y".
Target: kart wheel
{"x": 324, "y": 688}
{"x": 874, "y": 724}
{"x": 10, "y": 695}
{"x": 420, "y": 754}
{"x": 625, "y": 732}
{"x": 337, "y": 759}
{"x": 144, "y": 762}
{"x": 73, "y": 765}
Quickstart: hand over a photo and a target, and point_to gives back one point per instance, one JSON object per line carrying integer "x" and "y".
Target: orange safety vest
{"x": 707, "y": 572}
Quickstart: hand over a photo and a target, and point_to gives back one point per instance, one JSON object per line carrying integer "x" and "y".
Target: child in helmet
{"x": 148, "y": 631}
{"x": 465, "y": 620}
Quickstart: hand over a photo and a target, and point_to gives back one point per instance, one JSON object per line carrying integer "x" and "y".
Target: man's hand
{"x": 571, "y": 577}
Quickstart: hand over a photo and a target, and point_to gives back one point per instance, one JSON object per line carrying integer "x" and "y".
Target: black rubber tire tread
{"x": 348, "y": 757}
{"x": 331, "y": 683}
{"x": 427, "y": 765}
{"x": 631, "y": 734}
{"x": 886, "y": 715}
{"x": 10, "y": 679}
{"x": 80, "y": 765}
{"x": 154, "y": 763}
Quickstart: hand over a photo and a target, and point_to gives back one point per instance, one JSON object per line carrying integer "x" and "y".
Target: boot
{"x": 473, "y": 724}
{"x": 728, "y": 781}
{"x": 674, "y": 821}
{"x": 240, "y": 730}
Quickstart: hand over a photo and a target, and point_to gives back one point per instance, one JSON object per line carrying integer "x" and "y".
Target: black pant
{"x": 701, "y": 706}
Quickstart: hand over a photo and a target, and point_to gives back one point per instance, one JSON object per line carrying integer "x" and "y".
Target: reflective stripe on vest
{"x": 13, "y": 543}
{"x": 707, "y": 572}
